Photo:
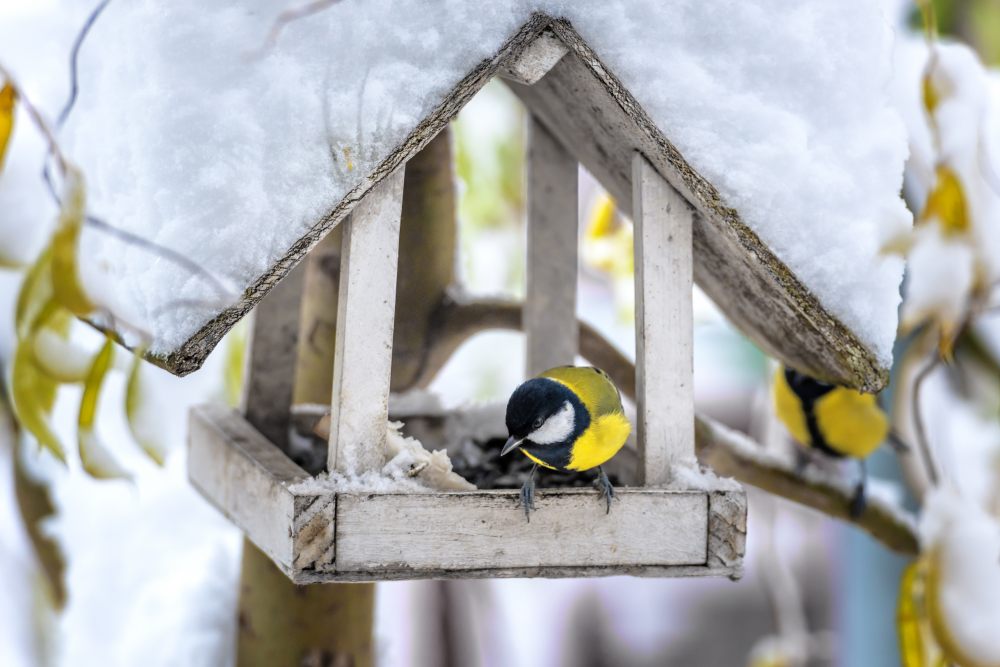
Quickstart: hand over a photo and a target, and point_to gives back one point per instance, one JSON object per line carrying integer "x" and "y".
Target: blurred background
{"x": 150, "y": 570}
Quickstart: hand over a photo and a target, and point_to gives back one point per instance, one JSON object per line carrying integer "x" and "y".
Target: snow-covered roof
{"x": 777, "y": 131}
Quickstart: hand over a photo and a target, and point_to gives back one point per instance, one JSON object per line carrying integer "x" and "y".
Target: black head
{"x": 805, "y": 387}
{"x": 542, "y": 403}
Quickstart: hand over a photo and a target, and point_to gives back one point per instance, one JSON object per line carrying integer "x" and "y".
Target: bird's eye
{"x": 537, "y": 423}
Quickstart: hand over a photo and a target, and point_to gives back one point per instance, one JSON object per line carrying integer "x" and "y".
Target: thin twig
{"x": 74, "y": 78}
{"x": 288, "y": 16}
{"x": 163, "y": 251}
{"x": 215, "y": 304}
{"x": 918, "y": 420}
{"x": 74, "y": 89}
{"x": 37, "y": 119}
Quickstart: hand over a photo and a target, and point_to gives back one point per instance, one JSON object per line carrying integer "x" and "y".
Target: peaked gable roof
{"x": 586, "y": 105}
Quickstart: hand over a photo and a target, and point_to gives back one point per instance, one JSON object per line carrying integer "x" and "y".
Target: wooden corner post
{"x": 550, "y": 320}
{"x": 663, "y": 324}
{"x": 365, "y": 313}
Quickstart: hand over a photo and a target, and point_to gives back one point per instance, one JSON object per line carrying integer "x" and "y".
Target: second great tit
{"x": 837, "y": 421}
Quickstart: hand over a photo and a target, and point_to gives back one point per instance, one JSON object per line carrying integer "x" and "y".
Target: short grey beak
{"x": 512, "y": 443}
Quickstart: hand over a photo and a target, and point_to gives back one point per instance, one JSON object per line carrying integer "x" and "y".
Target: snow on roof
{"x": 190, "y": 139}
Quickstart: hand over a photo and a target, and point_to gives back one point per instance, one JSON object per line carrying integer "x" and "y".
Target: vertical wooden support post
{"x": 663, "y": 324}
{"x": 365, "y": 312}
{"x": 550, "y": 302}
{"x": 270, "y": 359}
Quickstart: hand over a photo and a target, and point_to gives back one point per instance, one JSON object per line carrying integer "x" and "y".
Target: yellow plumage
{"x": 850, "y": 423}
{"x": 608, "y": 430}
{"x": 789, "y": 408}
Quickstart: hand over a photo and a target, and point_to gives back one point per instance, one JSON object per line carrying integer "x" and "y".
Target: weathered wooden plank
{"x": 550, "y": 301}
{"x": 727, "y": 531}
{"x": 304, "y": 577}
{"x": 363, "y": 358}
{"x": 460, "y": 531}
{"x": 245, "y": 477}
{"x": 535, "y": 62}
{"x": 270, "y": 359}
{"x": 664, "y": 339}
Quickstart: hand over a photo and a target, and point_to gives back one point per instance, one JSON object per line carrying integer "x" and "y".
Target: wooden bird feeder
{"x": 579, "y": 113}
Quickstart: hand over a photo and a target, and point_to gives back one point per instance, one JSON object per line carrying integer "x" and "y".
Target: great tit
{"x": 567, "y": 418}
{"x": 837, "y": 421}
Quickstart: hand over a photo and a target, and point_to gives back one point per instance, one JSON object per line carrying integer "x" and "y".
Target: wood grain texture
{"x": 664, "y": 335}
{"x": 550, "y": 298}
{"x": 246, "y": 477}
{"x": 362, "y": 363}
{"x": 459, "y": 531}
{"x": 536, "y": 61}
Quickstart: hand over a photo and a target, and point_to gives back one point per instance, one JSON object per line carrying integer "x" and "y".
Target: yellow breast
{"x": 602, "y": 440}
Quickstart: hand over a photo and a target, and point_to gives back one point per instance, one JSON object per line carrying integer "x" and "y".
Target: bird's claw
{"x": 528, "y": 494}
{"x": 859, "y": 501}
{"x": 606, "y": 489}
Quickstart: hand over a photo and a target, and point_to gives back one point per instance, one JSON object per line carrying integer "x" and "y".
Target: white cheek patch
{"x": 556, "y": 428}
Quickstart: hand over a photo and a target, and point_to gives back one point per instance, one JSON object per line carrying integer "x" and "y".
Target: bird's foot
{"x": 802, "y": 461}
{"x": 859, "y": 501}
{"x": 606, "y": 489}
{"x": 528, "y": 494}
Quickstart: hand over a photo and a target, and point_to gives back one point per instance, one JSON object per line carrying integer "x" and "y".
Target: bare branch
{"x": 918, "y": 420}
{"x": 74, "y": 78}
{"x": 163, "y": 251}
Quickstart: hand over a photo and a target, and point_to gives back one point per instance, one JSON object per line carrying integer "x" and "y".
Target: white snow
{"x": 189, "y": 140}
{"x": 694, "y": 477}
{"x": 963, "y": 136}
{"x": 964, "y": 542}
{"x": 410, "y": 469}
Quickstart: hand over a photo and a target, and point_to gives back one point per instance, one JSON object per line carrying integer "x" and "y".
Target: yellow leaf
{"x": 947, "y": 204}
{"x": 931, "y": 98}
{"x": 908, "y": 618}
{"x": 8, "y": 101}
{"x": 602, "y": 217}
{"x": 34, "y": 395}
{"x": 135, "y": 400}
{"x": 66, "y": 247}
{"x": 35, "y": 294}
{"x": 96, "y": 459}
